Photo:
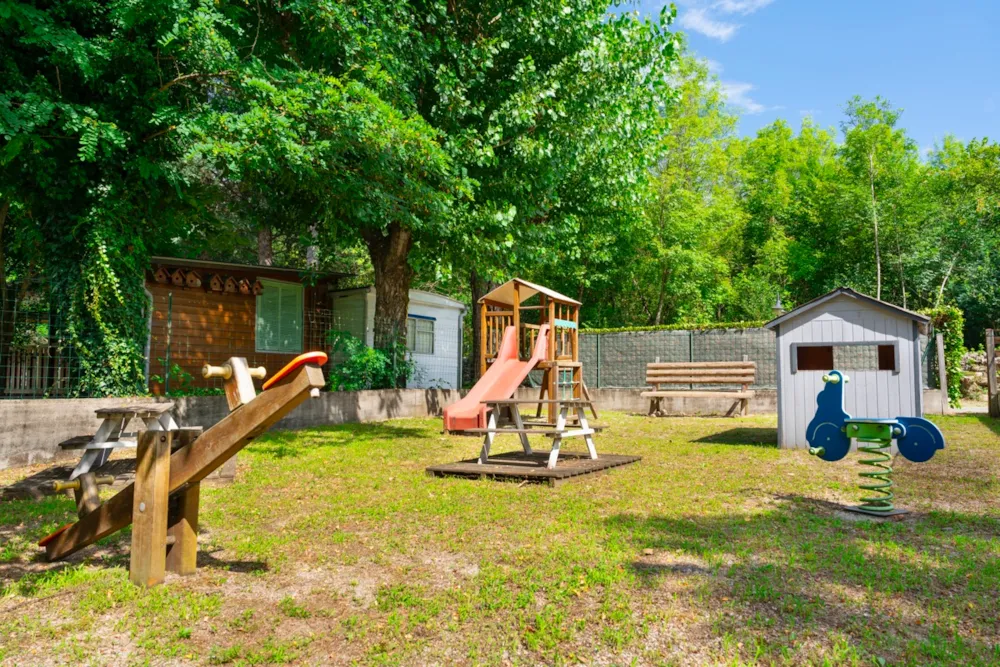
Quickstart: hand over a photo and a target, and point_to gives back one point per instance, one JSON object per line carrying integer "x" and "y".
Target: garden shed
{"x": 877, "y": 344}
{"x": 433, "y": 332}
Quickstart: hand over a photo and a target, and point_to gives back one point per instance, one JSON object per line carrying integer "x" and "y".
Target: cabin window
{"x": 420, "y": 335}
{"x": 279, "y": 317}
{"x": 814, "y": 358}
{"x": 846, "y": 357}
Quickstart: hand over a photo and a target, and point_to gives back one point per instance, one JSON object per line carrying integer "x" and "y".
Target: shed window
{"x": 887, "y": 357}
{"x": 420, "y": 335}
{"x": 814, "y": 358}
{"x": 279, "y": 317}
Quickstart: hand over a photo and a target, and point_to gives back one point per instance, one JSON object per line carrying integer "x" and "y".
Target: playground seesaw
{"x": 162, "y": 503}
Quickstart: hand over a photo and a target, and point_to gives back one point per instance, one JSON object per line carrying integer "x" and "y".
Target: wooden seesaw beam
{"x": 192, "y": 463}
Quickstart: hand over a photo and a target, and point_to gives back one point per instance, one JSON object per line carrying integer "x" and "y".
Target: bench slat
{"x": 722, "y": 379}
{"x": 701, "y": 364}
{"x": 697, "y": 394}
{"x": 671, "y": 372}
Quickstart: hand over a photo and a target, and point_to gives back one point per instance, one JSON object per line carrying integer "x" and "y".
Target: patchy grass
{"x": 334, "y": 547}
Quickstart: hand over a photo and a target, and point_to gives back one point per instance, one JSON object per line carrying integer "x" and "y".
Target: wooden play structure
{"x": 661, "y": 376}
{"x": 523, "y": 327}
{"x": 162, "y": 503}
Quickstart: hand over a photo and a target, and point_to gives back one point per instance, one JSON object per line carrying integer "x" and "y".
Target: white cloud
{"x": 738, "y": 94}
{"x": 740, "y": 6}
{"x": 699, "y": 21}
{"x": 714, "y": 66}
{"x": 710, "y": 18}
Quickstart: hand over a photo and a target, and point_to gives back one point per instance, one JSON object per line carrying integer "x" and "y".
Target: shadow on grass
{"x": 292, "y": 444}
{"x": 744, "y": 435}
{"x": 991, "y": 423}
{"x": 802, "y": 565}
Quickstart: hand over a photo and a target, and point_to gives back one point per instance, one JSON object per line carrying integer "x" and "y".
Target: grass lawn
{"x": 333, "y": 546}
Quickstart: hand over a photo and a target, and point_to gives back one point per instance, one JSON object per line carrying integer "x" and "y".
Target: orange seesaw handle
{"x": 318, "y": 358}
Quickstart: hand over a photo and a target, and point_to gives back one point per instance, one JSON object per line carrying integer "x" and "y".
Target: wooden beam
{"x": 182, "y": 527}
{"x": 942, "y": 373}
{"x": 195, "y": 462}
{"x": 147, "y": 564}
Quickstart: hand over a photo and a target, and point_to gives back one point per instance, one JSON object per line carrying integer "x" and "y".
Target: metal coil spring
{"x": 878, "y": 449}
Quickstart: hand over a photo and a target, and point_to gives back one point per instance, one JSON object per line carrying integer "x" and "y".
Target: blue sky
{"x": 938, "y": 61}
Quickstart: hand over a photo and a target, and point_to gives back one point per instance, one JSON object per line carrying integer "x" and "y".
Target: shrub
{"x": 367, "y": 368}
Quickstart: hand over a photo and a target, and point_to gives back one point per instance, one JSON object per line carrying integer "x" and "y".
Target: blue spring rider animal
{"x": 830, "y": 431}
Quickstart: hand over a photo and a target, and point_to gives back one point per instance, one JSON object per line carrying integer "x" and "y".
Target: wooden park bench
{"x": 659, "y": 375}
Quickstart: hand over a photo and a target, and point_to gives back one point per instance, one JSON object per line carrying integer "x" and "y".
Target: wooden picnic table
{"x": 111, "y": 434}
{"x": 558, "y": 433}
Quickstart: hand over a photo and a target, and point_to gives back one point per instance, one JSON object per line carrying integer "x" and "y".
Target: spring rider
{"x": 831, "y": 429}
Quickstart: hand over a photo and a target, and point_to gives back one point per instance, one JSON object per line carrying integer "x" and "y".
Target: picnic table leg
{"x": 93, "y": 459}
{"x": 491, "y": 433}
{"x": 589, "y": 439}
{"x": 557, "y": 441}
{"x": 519, "y": 423}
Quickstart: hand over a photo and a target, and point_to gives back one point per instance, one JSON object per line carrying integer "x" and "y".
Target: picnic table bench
{"x": 509, "y": 408}
{"x": 742, "y": 373}
{"x": 111, "y": 435}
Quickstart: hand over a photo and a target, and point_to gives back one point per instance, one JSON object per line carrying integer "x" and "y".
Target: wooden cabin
{"x": 267, "y": 314}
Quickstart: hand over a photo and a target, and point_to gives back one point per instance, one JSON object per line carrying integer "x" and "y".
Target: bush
{"x": 367, "y": 368}
{"x": 950, "y": 322}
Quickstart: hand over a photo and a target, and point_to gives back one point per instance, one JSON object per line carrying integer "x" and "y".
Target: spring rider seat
{"x": 831, "y": 429}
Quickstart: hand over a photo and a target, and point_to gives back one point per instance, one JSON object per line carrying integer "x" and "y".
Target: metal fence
{"x": 618, "y": 360}
{"x": 613, "y": 360}
{"x": 35, "y": 361}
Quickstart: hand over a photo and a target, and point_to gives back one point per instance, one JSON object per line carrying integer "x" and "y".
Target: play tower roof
{"x": 504, "y": 294}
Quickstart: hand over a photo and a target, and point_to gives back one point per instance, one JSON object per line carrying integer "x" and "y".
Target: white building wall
{"x": 882, "y": 394}
{"x": 354, "y": 311}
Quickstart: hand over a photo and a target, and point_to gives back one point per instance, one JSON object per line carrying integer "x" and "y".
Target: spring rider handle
{"x": 826, "y": 433}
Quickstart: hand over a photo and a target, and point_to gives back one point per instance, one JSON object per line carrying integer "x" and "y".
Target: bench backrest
{"x": 702, "y": 372}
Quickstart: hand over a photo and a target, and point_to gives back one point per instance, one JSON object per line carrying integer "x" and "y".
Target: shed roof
{"x": 848, "y": 292}
{"x": 505, "y": 293}
{"x": 232, "y": 266}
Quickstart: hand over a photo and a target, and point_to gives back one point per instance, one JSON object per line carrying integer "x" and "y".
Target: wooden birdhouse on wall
{"x": 230, "y": 286}
{"x": 215, "y": 283}
{"x": 192, "y": 279}
{"x": 244, "y": 286}
{"x": 178, "y": 278}
{"x": 161, "y": 275}
{"x": 258, "y": 288}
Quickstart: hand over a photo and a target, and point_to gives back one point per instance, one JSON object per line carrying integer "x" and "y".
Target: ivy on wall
{"x": 950, "y": 322}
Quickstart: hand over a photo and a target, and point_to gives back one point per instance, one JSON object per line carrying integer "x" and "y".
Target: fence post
{"x": 598, "y": 337}
{"x": 991, "y": 375}
{"x": 942, "y": 373}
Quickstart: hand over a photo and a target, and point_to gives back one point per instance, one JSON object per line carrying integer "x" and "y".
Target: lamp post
{"x": 777, "y": 308}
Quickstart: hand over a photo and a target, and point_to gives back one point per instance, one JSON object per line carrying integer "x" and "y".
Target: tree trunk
{"x": 6, "y": 305}
{"x": 265, "y": 249}
{"x": 312, "y": 252}
{"x": 389, "y": 253}
{"x": 660, "y": 299}
{"x": 478, "y": 288}
{"x": 878, "y": 254}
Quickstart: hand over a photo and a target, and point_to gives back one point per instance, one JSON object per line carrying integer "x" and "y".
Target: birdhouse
{"x": 244, "y": 286}
{"x": 230, "y": 286}
{"x": 215, "y": 283}
{"x": 178, "y": 278}
{"x": 161, "y": 275}
{"x": 258, "y": 288}
{"x": 192, "y": 279}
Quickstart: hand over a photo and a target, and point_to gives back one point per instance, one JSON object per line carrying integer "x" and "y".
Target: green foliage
{"x": 949, "y": 321}
{"x": 364, "y": 367}
{"x": 680, "y": 326}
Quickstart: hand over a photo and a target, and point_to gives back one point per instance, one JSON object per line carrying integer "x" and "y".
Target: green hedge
{"x": 682, "y": 326}
{"x": 949, "y": 321}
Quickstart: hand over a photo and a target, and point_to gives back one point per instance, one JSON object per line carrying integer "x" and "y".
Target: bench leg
{"x": 557, "y": 441}
{"x": 484, "y": 455}
{"x": 589, "y": 439}
{"x": 519, "y": 423}
{"x": 744, "y": 407}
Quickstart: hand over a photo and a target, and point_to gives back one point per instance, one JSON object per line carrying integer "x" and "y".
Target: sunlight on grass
{"x": 333, "y": 541}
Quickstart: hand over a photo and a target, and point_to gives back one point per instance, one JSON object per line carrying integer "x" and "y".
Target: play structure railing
{"x": 495, "y": 322}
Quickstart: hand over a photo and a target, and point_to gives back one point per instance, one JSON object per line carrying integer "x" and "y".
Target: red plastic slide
{"x": 500, "y": 381}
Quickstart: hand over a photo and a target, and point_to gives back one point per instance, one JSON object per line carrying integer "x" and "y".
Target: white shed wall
{"x": 881, "y": 394}
{"x": 354, "y": 312}
{"x": 441, "y": 369}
